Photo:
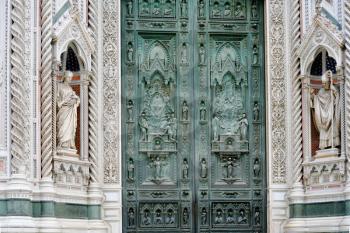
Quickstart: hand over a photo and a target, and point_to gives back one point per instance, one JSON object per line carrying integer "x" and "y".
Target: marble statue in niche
{"x": 202, "y": 54}
{"x": 202, "y": 111}
{"x": 67, "y": 105}
{"x": 242, "y": 217}
{"x": 230, "y": 164}
{"x": 170, "y": 218}
{"x": 230, "y": 217}
{"x": 157, "y": 167}
{"x": 219, "y": 217}
{"x": 204, "y": 168}
{"x": 216, "y": 10}
{"x": 143, "y": 126}
{"x": 146, "y": 218}
{"x": 185, "y": 216}
{"x": 131, "y": 169}
{"x": 130, "y": 52}
{"x": 327, "y": 112}
{"x": 130, "y": 7}
{"x": 255, "y": 55}
{"x": 183, "y": 7}
{"x": 201, "y": 8}
{"x": 256, "y": 111}
{"x": 204, "y": 215}
{"x": 239, "y": 11}
{"x": 156, "y": 7}
{"x": 227, "y": 11}
{"x": 243, "y": 127}
{"x": 185, "y": 168}
{"x": 185, "y": 110}
{"x": 216, "y": 125}
{"x": 131, "y": 217}
{"x": 158, "y": 217}
{"x": 170, "y": 127}
{"x": 130, "y": 109}
{"x": 257, "y": 216}
{"x": 254, "y": 10}
{"x": 184, "y": 56}
{"x": 256, "y": 168}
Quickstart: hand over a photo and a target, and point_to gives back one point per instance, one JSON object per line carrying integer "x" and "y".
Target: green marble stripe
{"x": 39, "y": 209}
{"x": 63, "y": 9}
{"x": 324, "y": 209}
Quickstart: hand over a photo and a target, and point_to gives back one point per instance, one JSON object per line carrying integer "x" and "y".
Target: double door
{"x": 193, "y": 116}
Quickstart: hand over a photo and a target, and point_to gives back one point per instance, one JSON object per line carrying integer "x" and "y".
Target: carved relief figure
{"x": 219, "y": 217}
{"x": 185, "y": 168}
{"x": 239, "y": 12}
{"x": 131, "y": 169}
{"x": 230, "y": 217}
{"x": 129, "y": 6}
{"x": 143, "y": 126}
{"x": 184, "y": 58}
{"x": 327, "y": 112}
{"x": 185, "y": 216}
{"x": 170, "y": 127}
{"x": 202, "y": 54}
{"x": 203, "y": 111}
{"x": 257, "y": 216}
{"x": 130, "y": 109}
{"x": 157, "y": 164}
{"x": 146, "y": 218}
{"x": 201, "y": 8}
{"x": 256, "y": 167}
{"x": 216, "y": 10}
{"x": 204, "y": 169}
{"x": 254, "y": 10}
{"x": 67, "y": 104}
{"x": 243, "y": 127}
{"x": 256, "y": 111}
{"x": 130, "y": 52}
{"x": 183, "y": 9}
{"x": 158, "y": 217}
{"x": 204, "y": 216}
{"x": 131, "y": 217}
{"x": 255, "y": 55}
{"x": 156, "y": 8}
{"x": 185, "y": 110}
{"x": 227, "y": 11}
{"x": 168, "y": 8}
{"x": 230, "y": 166}
{"x": 242, "y": 218}
{"x": 145, "y": 7}
{"x": 216, "y": 124}
{"x": 170, "y": 218}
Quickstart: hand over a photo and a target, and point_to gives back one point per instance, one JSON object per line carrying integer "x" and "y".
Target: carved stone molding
{"x": 277, "y": 73}
{"x": 111, "y": 93}
{"x": 347, "y": 83}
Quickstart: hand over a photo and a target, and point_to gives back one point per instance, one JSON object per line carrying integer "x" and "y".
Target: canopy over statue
{"x": 327, "y": 112}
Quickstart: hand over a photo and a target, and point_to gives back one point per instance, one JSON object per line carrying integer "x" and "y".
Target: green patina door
{"x": 193, "y": 116}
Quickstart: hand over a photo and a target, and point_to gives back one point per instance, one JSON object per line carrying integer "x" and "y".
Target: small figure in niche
{"x": 146, "y": 219}
{"x": 242, "y": 218}
{"x": 168, "y": 8}
{"x": 243, "y": 127}
{"x": 157, "y": 164}
{"x": 131, "y": 217}
{"x": 239, "y": 13}
{"x": 216, "y": 127}
{"x": 230, "y": 217}
{"x": 143, "y": 126}
{"x": 256, "y": 167}
{"x": 254, "y": 10}
{"x": 218, "y": 218}
{"x": 171, "y": 126}
{"x": 185, "y": 216}
{"x": 216, "y": 10}
{"x": 204, "y": 216}
{"x": 158, "y": 218}
{"x": 257, "y": 216}
{"x": 131, "y": 169}
{"x": 130, "y": 109}
{"x": 256, "y": 111}
{"x": 170, "y": 218}
{"x": 227, "y": 11}
{"x": 130, "y": 52}
{"x": 185, "y": 168}
{"x": 184, "y": 54}
{"x": 201, "y": 8}
{"x": 202, "y": 54}
{"x": 145, "y": 7}
{"x": 129, "y": 5}
{"x": 230, "y": 168}
{"x": 185, "y": 110}
{"x": 183, "y": 9}
{"x": 156, "y": 8}
{"x": 203, "y": 111}
{"x": 255, "y": 55}
{"x": 204, "y": 169}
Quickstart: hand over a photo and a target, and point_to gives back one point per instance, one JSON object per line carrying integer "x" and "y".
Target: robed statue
{"x": 327, "y": 112}
{"x": 67, "y": 104}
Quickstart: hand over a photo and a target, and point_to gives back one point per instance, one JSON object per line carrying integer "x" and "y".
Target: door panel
{"x": 193, "y": 116}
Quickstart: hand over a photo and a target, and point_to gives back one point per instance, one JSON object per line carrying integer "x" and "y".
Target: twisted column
{"x": 347, "y": 84}
{"x": 93, "y": 102}
{"x": 296, "y": 97}
{"x": 18, "y": 156}
{"x": 47, "y": 139}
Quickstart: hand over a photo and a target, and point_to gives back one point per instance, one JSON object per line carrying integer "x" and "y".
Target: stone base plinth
{"x": 327, "y": 153}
